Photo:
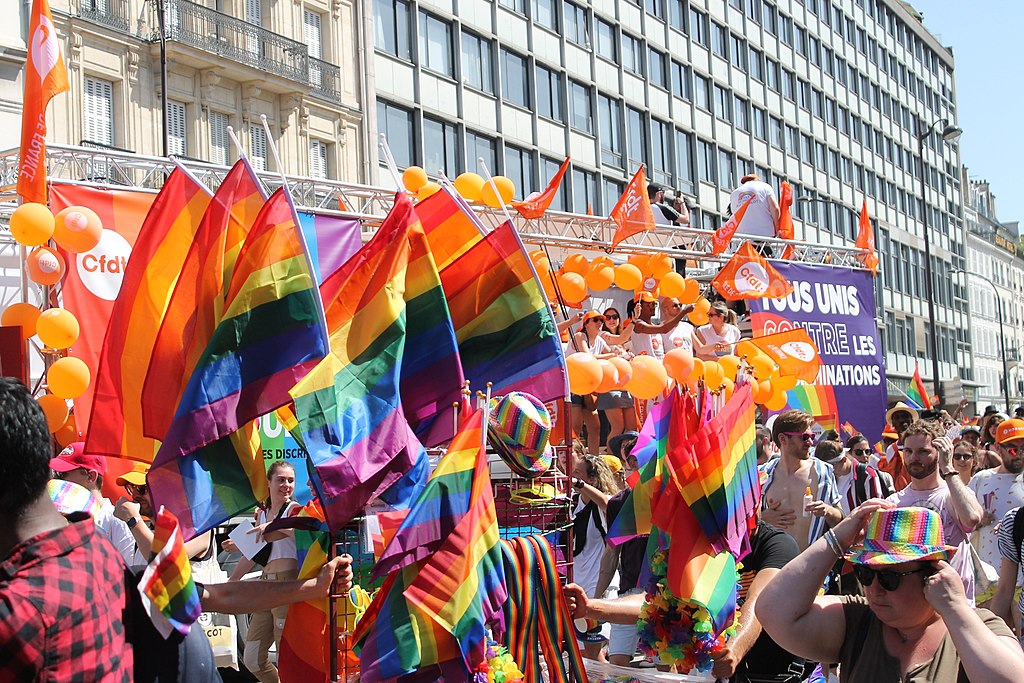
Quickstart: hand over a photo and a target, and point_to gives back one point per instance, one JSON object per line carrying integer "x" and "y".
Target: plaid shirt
{"x": 61, "y": 604}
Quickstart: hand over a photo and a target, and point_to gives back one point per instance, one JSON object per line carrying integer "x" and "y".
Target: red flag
{"x": 45, "y": 76}
{"x": 632, "y": 213}
{"x": 723, "y": 236}
{"x": 866, "y": 241}
{"x": 748, "y": 275}
{"x": 536, "y": 207}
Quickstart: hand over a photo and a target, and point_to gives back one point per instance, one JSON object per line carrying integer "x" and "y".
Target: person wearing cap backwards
{"x": 914, "y": 622}
{"x": 999, "y": 490}
{"x": 74, "y": 465}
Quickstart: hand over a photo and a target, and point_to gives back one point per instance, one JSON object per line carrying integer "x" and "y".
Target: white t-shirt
{"x": 730, "y": 335}
{"x": 586, "y": 567}
{"x": 998, "y": 494}
{"x": 758, "y": 219}
{"x": 679, "y": 338}
{"x": 651, "y": 344}
{"x": 118, "y": 534}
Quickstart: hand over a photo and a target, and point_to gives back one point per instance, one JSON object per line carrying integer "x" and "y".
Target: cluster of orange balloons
{"x": 75, "y": 229}
{"x": 471, "y": 186}
{"x": 644, "y": 377}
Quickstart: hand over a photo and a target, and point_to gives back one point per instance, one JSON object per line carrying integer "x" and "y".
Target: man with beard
{"x": 999, "y": 491}
{"x": 900, "y": 416}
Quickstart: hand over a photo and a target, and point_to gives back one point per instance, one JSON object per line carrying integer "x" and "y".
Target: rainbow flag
{"x": 817, "y": 400}
{"x": 272, "y": 333}
{"x": 450, "y": 537}
{"x": 849, "y": 429}
{"x": 503, "y": 325}
{"x": 153, "y": 269}
{"x": 393, "y": 361}
{"x": 196, "y": 304}
{"x": 917, "y": 395}
{"x": 166, "y": 587}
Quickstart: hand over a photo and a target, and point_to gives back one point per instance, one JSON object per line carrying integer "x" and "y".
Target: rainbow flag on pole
{"x": 166, "y": 587}
{"x": 917, "y": 395}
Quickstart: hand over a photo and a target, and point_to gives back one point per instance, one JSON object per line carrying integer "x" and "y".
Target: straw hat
{"x": 902, "y": 535}
{"x": 900, "y": 407}
{"x": 519, "y": 428}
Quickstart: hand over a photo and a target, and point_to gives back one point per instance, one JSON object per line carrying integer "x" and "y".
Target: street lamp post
{"x": 1002, "y": 337}
{"x": 949, "y": 133}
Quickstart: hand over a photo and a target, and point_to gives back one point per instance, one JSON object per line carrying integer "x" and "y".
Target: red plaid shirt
{"x": 61, "y": 604}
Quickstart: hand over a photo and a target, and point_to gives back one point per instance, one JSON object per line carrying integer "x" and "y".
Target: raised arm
{"x": 667, "y": 326}
{"x": 243, "y": 597}
{"x": 965, "y": 504}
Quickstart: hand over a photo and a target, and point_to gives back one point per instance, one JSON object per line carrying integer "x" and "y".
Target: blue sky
{"x": 985, "y": 37}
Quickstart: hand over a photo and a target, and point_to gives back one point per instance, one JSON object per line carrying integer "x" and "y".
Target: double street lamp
{"x": 1000, "y": 320}
{"x": 950, "y": 133}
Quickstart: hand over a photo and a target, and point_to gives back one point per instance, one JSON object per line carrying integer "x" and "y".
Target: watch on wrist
{"x": 132, "y": 523}
{"x": 578, "y": 483}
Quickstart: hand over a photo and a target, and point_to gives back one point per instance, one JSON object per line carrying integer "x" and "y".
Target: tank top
{"x": 286, "y": 546}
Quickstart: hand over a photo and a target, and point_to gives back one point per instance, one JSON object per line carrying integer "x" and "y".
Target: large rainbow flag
{"x": 503, "y": 324}
{"x": 153, "y": 269}
{"x": 390, "y": 331}
{"x": 166, "y": 587}
{"x": 817, "y": 400}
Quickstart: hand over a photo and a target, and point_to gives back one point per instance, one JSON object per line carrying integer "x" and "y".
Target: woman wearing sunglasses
{"x": 914, "y": 622}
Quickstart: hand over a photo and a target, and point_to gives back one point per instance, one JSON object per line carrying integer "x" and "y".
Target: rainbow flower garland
{"x": 499, "y": 667}
{"x": 679, "y": 632}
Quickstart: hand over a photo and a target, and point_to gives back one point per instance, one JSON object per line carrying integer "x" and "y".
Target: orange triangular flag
{"x": 748, "y": 275}
{"x": 786, "y": 229}
{"x": 794, "y": 352}
{"x": 536, "y": 207}
{"x": 866, "y": 241}
{"x": 45, "y": 76}
{"x": 632, "y": 213}
{"x": 723, "y": 236}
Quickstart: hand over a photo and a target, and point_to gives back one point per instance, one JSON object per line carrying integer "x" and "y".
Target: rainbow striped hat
{"x": 902, "y": 535}
{"x": 519, "y": 428}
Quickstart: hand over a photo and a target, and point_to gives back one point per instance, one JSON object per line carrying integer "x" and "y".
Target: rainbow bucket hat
{"x": 519, "y": 428}
{"x": 902, "y": 535}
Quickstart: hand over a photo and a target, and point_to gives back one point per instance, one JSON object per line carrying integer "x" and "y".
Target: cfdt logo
{"x": 751, "y": 277}
{"x": 102, "y": 268}
{"x": 799, "y": 349}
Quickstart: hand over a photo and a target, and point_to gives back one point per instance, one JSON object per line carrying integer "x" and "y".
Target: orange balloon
{"x": 77, "y": 228}
{"x": 678, "y": 364}
{"x": 600, "y": 277}
{"x": 506, "y": 191}
{"x": 625, "y": 370}
{"x": 698, "y": 318}
{"x": 585, "y": 373}
{"x": 628, "y": 276}
{"x": 45, "y": 266}
{"x": 427, "y": 190}
{"x": 573, "y": 287}
{"x": 21, "y": 315}
{"x": 32, "y": 224}
{"x": 745, "y": 347}
{"x": 470, "y": 185}
{"x": 68, "y": 432}
{"x": 671, "y": 285}
{"x": 57, "y": 328}
{"x": 642, "y": 262}
{"x": 702, "y": 305}
{"x": 549, "y": 286}
{"x": 609, "y": 376}
{"x": 649, "y": 378}
{"x": 68, "y": 377}
{"x": 713, "y": 374}
{"x": 661, "y": 265}
{"x": 576, "y": 263}
{"x": 776, "y": 401}
{"x": 731, "y": 365}
{"x": 691, "y": 292}
{"x": 414, "y": 178}
{"x": 784, "y": 382}
{"x": 543, "y": 265}
{"x": 55, "y": 409}
{"x": 601, "y": 261}
{"x": 698, "y": 370}
{"x": 762, "y": 366}
{"x": 761, "y": 391}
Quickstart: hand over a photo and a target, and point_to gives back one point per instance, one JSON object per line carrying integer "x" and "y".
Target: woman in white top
{"x": 279, "y": 563}
{"x": 584, "y": 408}
{"x": 617, "y": 404}
{"x": 717, "y": 338}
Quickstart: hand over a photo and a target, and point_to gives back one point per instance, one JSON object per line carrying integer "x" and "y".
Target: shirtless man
{"x": 789, "y": 477}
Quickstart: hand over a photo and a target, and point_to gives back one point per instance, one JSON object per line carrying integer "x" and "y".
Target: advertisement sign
{"x": 836, "y": 307}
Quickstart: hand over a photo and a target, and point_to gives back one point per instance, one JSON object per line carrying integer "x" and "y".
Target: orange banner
{"x": 794, "y": 352}
{"x": 786, "y": 230}
{"x": 633, "y": 213}
{"x": 749, "y": 276}
{"x": 538, "y": 205}
{"x": 866, "y": 241}
{"x": 45, "y": 76}
{"x": 723, "y": 236}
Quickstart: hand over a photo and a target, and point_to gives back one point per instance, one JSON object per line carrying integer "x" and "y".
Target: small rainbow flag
{"x": 917, "y": 395}
{"x": 166, "y": 587}
{"x": 818, "y": 400}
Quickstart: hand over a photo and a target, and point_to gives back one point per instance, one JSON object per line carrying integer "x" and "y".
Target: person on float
{"x": 762, "y": 216}
{"x": 646, "y": 338}
{"x": 590, "y": 340}
{"x": 617, "y": 404}
{"x": 719, "y": 336}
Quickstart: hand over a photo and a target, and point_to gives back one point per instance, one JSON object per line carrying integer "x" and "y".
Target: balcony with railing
{"x": 113, "y": 13}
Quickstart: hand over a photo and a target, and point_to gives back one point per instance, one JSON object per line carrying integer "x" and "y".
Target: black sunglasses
{"x": 862, "y": 451}
{"x": 138, "y": 488}
{"x": 964, "y": 456}
{"x": 611, "y": 316}
{"x": 887, "y": 579}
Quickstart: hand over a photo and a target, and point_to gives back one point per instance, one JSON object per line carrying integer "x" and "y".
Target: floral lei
{"x": 498, "y": 667}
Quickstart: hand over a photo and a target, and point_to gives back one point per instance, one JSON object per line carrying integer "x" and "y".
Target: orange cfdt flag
{"x": 794, "y": 352}
{"x": 723, "y": 236}
{"x": 633, "y": 213}
{"x": 866, "y": 241}
{"x": 45, "y": 76}
{"x": 536, "y": 207}
{"x": 747, "y": 275}
{"x": 786, "y": 230}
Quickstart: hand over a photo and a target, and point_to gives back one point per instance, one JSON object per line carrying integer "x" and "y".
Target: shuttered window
{"x": 317, "y": 159}
{"x": 98, "y": 125}
{"x": 218, "y": 138}
{"x": 176, "y": 129}
{"x": 258, "y": 152}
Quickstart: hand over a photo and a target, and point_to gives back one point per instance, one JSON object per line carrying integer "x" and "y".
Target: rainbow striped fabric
{"x": 448, "y": 556}
{"x": 504, "y": 327}
{"x": 917, "y": 395}
{"x": 166, "y": 587}
{"x": 393, "y": 362}
{"x": 155, "y": 264}
{"x": 817, "y": 400}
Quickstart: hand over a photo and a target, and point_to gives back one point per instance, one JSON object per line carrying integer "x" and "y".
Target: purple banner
{"x": 837, "y": 308}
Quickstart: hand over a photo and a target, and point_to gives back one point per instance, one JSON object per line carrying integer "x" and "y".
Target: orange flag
{"x": 866, "y": 241}
{"x": 723, "y": 236}
{"x": 536, "y": 207}
{"x": 794, "y": 352}
{"x": 786, "y": 230}
{"x": 748, "y": 275}
{"x": 45, "y": 76}
{"x": 632, "y": 213}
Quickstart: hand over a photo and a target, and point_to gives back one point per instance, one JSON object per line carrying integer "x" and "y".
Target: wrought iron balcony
{"x": 112, "y": 13}
{"x": 325, "y": 78}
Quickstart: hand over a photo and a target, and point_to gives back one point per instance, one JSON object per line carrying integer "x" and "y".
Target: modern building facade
{"x": 995, "y": 268}
{"x": 227, "y": 63}
{"x": 830, "y": 95}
